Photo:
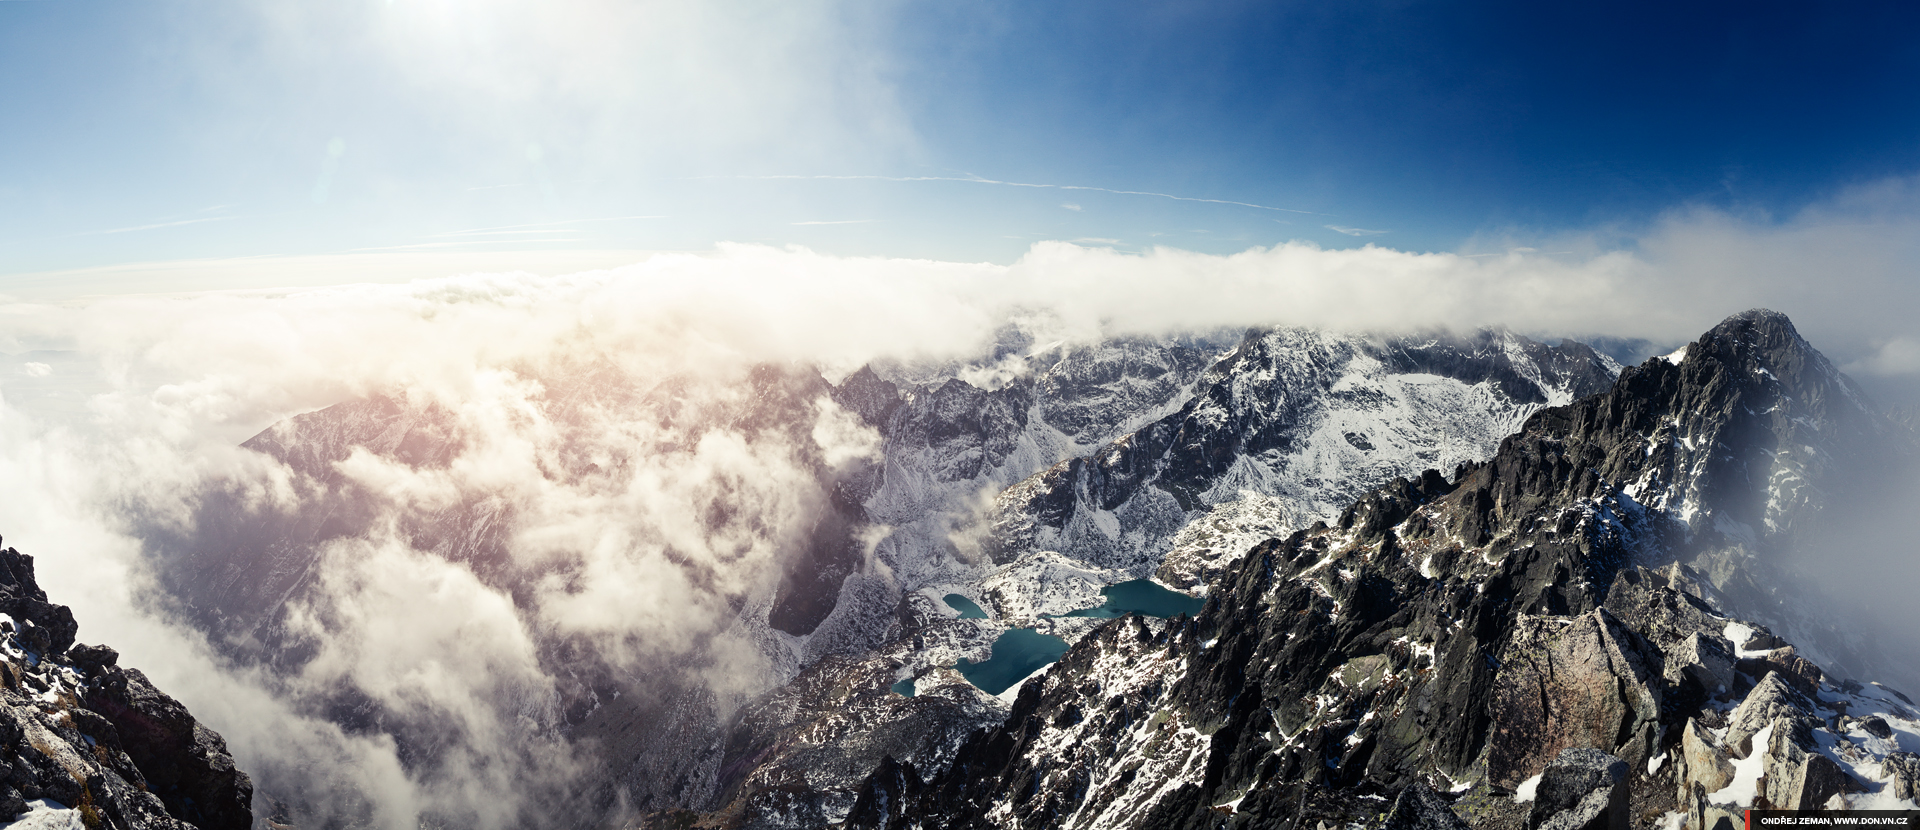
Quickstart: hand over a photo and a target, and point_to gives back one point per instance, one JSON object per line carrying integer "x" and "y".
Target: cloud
{"x": 1070, "y": 206}
{"x": 1899, "y": 356}
{"x": 36, "y": 370}
{"x": 1352, "y": 231}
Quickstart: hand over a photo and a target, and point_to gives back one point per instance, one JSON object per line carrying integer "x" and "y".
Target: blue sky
{"x": 195, "y": 130}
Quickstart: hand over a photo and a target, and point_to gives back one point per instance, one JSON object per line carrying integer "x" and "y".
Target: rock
{"x": 1703, "y": 760}
{"x": 1708, "y": 659}
{"x": 185, "y": 763}
{"x": 1419, "y": 808}
{"x": 884, "y": 796}
{"x": 1772, "y": 698}
{"x": 1583, "y": 789}
{"x": 1795, "y": 779}
{"x": 1904, "y": 770}
{"x": 1585, "y": 682}
{"x": 1876, "y": 726}
{"x": 1704, "y": 815}
{"x": 91, "y": 660}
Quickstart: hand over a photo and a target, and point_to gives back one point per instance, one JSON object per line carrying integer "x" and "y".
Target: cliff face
{"x": 1593, "y": 586}
{"x": 86, "y": 739}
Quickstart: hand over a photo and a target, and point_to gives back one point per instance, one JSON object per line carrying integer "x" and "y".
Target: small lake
{"x": 1017, "y": 653}
{"x": 968, "y": 609}
{"x": 1141, "y": 596}
{"x": 904, "y": 687}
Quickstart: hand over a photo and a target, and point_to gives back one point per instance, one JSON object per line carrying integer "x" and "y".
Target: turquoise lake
{"x": 904, "y": 687}
{"x": 1017, "y": 653}
{"x": 1140, "y": 596}
{"x": 967, "y": 608}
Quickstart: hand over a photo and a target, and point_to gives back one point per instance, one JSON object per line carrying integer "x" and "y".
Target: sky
{"x": 570, "y": 134}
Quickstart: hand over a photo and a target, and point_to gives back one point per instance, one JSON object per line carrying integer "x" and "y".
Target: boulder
{"x": 1903, "y": 771}
{"x": 1583, "y": 789}
{"x": 1876, "y": 726}
{"x": 1418, "y": 807}
{"x": 1566, "y": 683}
{"x": 1772, "y": 698}
{"x": 1707, "y": 658}
{"x": 1702, "y": 760}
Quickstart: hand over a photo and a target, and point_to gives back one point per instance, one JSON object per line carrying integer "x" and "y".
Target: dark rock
{"x": 1419, "y": 808}
{"x": 185, "y": 763}
{"x": 1583, "y": 789}
{"x": 1876, "y": 726}
{"x": 91, "y": 660}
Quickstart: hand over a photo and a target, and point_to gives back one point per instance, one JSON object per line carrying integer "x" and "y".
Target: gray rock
{"x": 1419, "y": 808}
{"x": 1702, "y": 760}
{"x": 1904, "y": 769}
{"x": 1772, "y": 698}
{"x": 1876, "y": 726}
{"x": 1706, "y": 658}
{"x": 1795, "y": 779}
{"x": 1583, "y": 789}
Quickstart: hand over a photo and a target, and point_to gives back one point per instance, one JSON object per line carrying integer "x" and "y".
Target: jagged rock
{"x": 1563, "y": 684}
{"x": 185, "y": 763}
{"x": 1418, "y": 807}
{"x": 1706, "y": 658}
{"x": 1582, "y": 789}
{"x": 1702, "y": 761}
{"x": 1772, "y": 698}
{"x": 884, "y": 797}
{"x": 1904, "y": 770}
{"x": 1876, "y": 726}
{"x": 91, "y": 660}
{"x": 1794, "y": 778}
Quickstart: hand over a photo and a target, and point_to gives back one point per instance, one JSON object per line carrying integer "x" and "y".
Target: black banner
{"x": 1763, "y": 819}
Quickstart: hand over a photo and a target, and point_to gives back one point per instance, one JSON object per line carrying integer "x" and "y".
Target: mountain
{"x": 87, "y": 742}
{"x": 1450, "y": 646}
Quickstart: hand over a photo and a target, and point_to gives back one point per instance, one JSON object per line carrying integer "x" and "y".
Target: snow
{"x": 1653, "y": 764}
{"x": 1678, "y": 355}
{"x": 1673, "y": 821}
{"x": 47, "y": 814}
{"x": 1740, "y": 634}
{"x": 1525, "y": 792}
{"x": 1747, "y": 771}
{"x": 1013, "y": 692}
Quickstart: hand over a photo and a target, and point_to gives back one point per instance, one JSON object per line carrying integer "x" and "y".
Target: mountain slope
{"x": 1462, "y": 633}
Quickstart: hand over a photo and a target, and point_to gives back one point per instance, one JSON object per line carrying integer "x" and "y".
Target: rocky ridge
{"x": 1586, "y": 589}
{"x": 87, "y": 743}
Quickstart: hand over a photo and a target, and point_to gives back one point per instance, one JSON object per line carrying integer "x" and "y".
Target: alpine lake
{"x": 1019, "y": 652}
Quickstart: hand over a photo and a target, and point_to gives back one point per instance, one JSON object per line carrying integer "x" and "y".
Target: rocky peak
{"x": 94, "y": 743}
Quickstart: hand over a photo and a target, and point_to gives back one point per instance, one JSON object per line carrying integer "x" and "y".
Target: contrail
{"x": 979, "y": 180}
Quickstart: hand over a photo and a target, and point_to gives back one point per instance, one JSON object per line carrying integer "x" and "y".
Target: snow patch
{"x": 1525, "y": 792}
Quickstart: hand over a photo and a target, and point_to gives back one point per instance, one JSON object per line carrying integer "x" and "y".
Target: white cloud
{"x": 1352, "y": 231}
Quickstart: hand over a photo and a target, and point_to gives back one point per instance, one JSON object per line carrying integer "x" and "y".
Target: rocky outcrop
{"x": 1583, "y": 789}
{"x": 1570, "y": 685}
{"x": 1417, "y": 807}
{"x": 91, "y": 737}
